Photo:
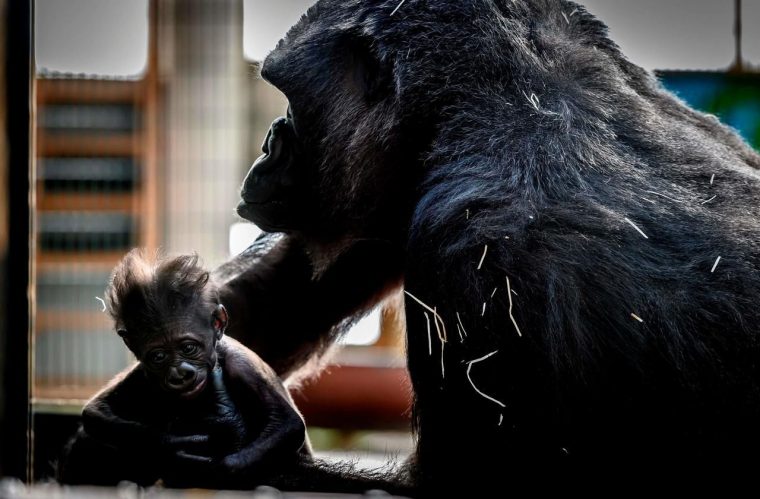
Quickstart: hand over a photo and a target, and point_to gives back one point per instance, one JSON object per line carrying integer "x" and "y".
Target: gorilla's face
{"x": 275, "y": 189}
{"x": 339, "y": 164}
{"x": 379, "y": 90}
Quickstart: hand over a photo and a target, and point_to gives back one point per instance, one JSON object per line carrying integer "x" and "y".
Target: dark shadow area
{"x": 15, "y": 316}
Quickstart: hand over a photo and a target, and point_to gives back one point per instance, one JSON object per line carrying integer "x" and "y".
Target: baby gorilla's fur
{"x": 198, "y": 409}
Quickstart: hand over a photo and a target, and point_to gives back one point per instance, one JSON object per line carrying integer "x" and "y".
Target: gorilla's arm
{"x": 286, "y": 311}
{"x": 104, "y": 416}
{"x": 88, "y": 461}
{"x": 257, "y": 388}
{"x": 110, "y": 447}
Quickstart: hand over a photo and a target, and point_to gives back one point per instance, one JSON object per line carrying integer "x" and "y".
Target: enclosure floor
{"x": 11, "y": 489}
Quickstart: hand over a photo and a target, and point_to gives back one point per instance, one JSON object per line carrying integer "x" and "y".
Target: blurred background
{"x": 147, "y": 115}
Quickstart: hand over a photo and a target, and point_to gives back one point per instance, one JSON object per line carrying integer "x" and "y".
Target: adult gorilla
{"x": 580, "y": 250}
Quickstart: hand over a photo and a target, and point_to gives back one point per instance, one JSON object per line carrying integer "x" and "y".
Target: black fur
{"x": 518, "y": 125}
{"x": 197, "y": 409}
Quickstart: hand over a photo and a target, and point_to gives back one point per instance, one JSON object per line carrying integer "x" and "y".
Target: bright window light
{"x": 99, "y": 37}
{"x": 365, "y": 332}
{"x": 671, "y": 34}
{"x": 242, "y": 235}
{"x": 266, "y": 21}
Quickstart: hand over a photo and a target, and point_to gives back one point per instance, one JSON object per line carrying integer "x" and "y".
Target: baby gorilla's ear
{"x": 220, "y": 318}
{"x": 124, "y": 336}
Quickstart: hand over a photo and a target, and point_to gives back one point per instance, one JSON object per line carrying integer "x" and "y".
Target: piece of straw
{"x": 469, "y": 378}
{"x": 398, "y": 6}
{"x": 509, "y": 295}
{"x": 430, "y": 340}
{"x": 461, "y": 325}
{"x": 482, "y": 258}
{"x": 717, "y": 260}
{"x": 637, "y": 228}
{"x": 436, "y": 317}
{"x": 663, "y": 196}
{"x": 443, "y": 367}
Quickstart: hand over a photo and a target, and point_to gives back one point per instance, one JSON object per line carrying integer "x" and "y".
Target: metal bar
{"x": 15, "y": 458}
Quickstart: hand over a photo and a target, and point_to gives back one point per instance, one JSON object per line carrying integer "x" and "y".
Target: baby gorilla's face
{"x": 181, "y": 356}
{"x": 181, "y": 364}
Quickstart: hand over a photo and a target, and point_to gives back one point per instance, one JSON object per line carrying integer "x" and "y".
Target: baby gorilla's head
{"x": 169, "y": 316}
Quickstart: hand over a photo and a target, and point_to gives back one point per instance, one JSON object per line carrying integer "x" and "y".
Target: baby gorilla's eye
{"x": 157, "y": 357}
{"x": 190, "y": 348}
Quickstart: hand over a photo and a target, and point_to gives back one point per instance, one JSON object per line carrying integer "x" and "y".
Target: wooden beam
{"x": 72, "y": 320}
{"x": 88, "y": 145}
{"x": 79, "y": 258}
{"x": 94, "y": 201}
{"x": 88, "y": 91}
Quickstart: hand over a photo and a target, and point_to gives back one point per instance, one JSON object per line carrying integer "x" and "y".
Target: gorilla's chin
{"x": 269, "y": 216}
{"x": 275, "y": 188}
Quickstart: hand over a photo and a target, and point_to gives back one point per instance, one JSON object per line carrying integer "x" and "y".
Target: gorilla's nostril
{"x": 180, "y": 376}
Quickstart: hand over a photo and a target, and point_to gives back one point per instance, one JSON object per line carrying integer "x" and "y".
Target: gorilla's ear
{"x": 124, "y": 335}
{"x": 219, "y": 320}
{"x": 368, "y": 75}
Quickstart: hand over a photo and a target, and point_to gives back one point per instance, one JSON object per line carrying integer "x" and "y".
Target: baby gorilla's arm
{"x": 108, "y": 447}
{"x": 253, "y": 432}
{"x": 283, "y": 434}
{"x": 103, "y": 417}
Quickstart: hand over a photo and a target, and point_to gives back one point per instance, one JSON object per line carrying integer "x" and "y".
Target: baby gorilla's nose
{"x": 181, "y": 376}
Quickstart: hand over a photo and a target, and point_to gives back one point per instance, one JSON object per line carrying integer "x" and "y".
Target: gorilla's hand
{"x": 198, "y": 442}
{"x": 278, "y": 434}
{"x": 212, "y": 428}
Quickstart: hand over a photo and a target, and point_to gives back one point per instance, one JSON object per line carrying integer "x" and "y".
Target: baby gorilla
{"x": 198, "y": 409}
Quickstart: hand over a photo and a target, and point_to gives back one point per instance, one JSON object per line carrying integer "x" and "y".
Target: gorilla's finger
{"x": 193, "y": 458}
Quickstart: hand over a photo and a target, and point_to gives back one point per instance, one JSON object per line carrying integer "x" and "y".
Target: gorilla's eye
{"x": 190, "y": 348}
{"x": 157, "y": 357}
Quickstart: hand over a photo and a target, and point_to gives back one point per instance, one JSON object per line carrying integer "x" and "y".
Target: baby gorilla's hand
{"x": 227, "y": 426}
{"x": 273, "y": 433}
{"x": 187, "y": 460}
{"x": 197, "y": 444}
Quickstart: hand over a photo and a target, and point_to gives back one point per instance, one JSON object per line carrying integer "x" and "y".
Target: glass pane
{"x": 94, "y": 37}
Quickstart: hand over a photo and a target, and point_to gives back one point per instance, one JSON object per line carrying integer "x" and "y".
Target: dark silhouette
{"x": 580, "y": 250}
{"x": 198, "y": 409}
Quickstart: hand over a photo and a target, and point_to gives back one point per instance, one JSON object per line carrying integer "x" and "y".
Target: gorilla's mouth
{"x": 246, "y": 206}
{"x": 265, "y": 214}
{"x": 194, "y": 391}
{"x": 274, "y": 215}
{"x": 273, "y": 188}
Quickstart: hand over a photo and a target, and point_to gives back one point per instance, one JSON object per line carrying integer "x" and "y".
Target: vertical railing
{"x": 16, "y": 428}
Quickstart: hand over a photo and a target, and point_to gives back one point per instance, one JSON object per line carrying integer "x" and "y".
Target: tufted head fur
{"x": 145, "y": 296}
